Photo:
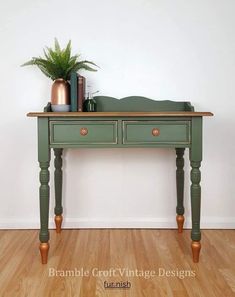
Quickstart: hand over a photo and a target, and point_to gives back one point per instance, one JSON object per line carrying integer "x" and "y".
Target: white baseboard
{"x": 154, "y": 223}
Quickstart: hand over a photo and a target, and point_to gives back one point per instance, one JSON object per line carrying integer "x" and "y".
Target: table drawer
{"x": 83, "y": 132}
{"x": 153, "y": 132}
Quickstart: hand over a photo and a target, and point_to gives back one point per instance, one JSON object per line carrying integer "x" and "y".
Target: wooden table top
{"x": 121, "y": 114}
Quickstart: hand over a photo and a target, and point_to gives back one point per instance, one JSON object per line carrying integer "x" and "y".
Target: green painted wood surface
{"x": 43, "y": 140}
{"x": 138, "y": 103}
{"x": 121, "y": 117}
{"x": 58, "y": 177}
{"x": 195, "y": 200}
{"x": 113, "y": 146}
{"x": 171, "y": 132}
{"x": 195, "y": 156}
{"x": 44, "y": 177}
{"x": 117, "y": 137}
{"x": 44, "y": 192}
{"x": 180, "y": 180}
{"x": 196, "y": 136}
{"x": 99, "y": 132}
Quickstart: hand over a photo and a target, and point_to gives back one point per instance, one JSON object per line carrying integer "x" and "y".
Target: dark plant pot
{"x": 89, "y": 105}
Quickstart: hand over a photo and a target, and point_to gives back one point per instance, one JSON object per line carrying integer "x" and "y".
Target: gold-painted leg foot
{"x": 44, "y": 248}
{"x": 58, "y": 222}
{"x": 196, "y": 247}
{"x": 180, "y": 223}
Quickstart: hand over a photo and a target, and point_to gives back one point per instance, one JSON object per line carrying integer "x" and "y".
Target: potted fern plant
{"x": 57, "y": 64}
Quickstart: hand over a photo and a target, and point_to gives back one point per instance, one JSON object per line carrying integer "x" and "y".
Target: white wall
{"x": 178, "y": 50}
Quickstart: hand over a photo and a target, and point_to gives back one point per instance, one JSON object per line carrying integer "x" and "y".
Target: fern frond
{"x": 89, "y": 62}
{"x": 67, "y": 52}
{"x": 57, "y": 46}
{"x": 82, "y": 65}
{"x": 59, "y": 63}
{"x": 46, "y": 55}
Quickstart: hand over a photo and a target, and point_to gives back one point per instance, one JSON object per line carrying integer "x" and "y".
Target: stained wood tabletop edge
{"x": 120, "y": 114}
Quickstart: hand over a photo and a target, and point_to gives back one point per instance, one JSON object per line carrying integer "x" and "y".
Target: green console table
{"x": 129, "y": 122}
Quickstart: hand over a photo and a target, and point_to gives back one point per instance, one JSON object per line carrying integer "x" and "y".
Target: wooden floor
{"x": 133, "y": 252}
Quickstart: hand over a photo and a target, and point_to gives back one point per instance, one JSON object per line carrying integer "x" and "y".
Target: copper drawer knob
{"x": 155, "y": 132}
{"x": 83, "y": 131}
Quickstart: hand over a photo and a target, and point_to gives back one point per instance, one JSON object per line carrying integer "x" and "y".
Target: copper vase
{"x": 60, "y": 95}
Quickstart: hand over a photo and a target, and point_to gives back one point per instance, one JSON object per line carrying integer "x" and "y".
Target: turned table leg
{"x": 180, "y": 188}
{"x": 44, "y": 211}
{"x": 195, "y": 161}
{"x": 58, "y": 177}
{"x": 44, "y": 190}
{"x": 196, "y": 206}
